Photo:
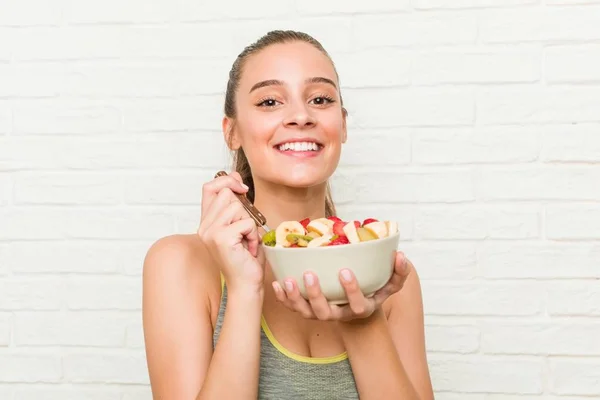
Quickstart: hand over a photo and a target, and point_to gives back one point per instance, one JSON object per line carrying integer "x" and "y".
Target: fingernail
{"x": 289, "y": 286}
{"x": 275, "y": 286}
{"x": 309, "y": 279}
{"x": 244, "y": 186}
{"x": 346, "y": 275}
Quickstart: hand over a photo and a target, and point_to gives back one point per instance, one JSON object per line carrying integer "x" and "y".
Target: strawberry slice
{"x": 368, "y": 221}
{"x": 339, "y": 240}
{"x": 334, "y": 218}
{"x": 357, "y": 224}
{"x": 338, "y": 228}
{"x": 305, "y": 222}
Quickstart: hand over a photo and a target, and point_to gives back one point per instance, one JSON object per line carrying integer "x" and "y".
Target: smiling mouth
{"x": 298, "y": 147}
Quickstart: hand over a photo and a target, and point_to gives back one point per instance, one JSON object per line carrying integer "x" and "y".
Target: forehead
{"x": 289, "y": 62}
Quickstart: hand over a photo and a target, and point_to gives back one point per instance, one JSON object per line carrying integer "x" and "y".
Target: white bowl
{"x": 372, "y": 263}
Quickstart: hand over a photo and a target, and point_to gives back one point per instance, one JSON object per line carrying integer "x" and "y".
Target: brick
{"x": 570, "y": 2}
{"x": 4, "y": 259}
{"x": 124, "y": 224}
{"x": 56, "y": 392}
{"x": 476, "y": 66}
{"x": 69, "y": 257}
{"x": 108, "y": 367}
{"x": 420, "y": 29}
{"x": 33, "y": 368}
{"x": 547, "y": 183}
{"x": 572, "y": 63}
{"x": 114, "y": 11}
{"x": 72, "y": 43}
{"x": 67, "y": 188}
{"x": 336, "y": 34}
{"x": 91, "y": 294}
{"x": 5, "y": 117}
{"x": 442, "y": 260}
{"x": 6, "y": 44}
{"x": 575, "y": 376}
{"x": 451, "y": 339}
{"x": 6, "y": 392}
{"x": 574, "y": 222}
{"x": 175, "y": 188}
{"x": 135, "y": 334}
{"x": 342, "y": 189}
{"x": 372, "y": 147}
{"x": 65, "y": 119}
{"x": 141, "y": 393}
{"x": 30, "y": 294}
{"x": 5, "y": 329}
{"x": 574, "y": 298}
{"x": 540, "y": 260}
{"x": 419, "y": 186}
{"x": 93, "y": 329}
{"x": 469, "y": 222}
{"x": 61, "y": 223}
{"x": 187, "y": 219}
{"x": 30, "y": 13}
{"x": 402, "y": 214}
{"x": 164, "y": 115}
{"x": 262, "y": 9}
{"x": 487, "y": 374}
{"x": 144, "y": 79}
{"x": 479, "y": 145}
{"x": 420, "y": 107}
{"x": 31, "y": 80}
{"x": 482, "y": 298}
{"x": 571, "y": 143}
{"x": 541, "y": 338}
{"x": 444, "y": 4}
{"x": 151, "y": 151}
{"x": 543, "y": 104}
{"x": 540, "y": 24}
{"x": 357, "y": 69}
{"x": 6, "y": 189}
{"x": 312, "y": 7}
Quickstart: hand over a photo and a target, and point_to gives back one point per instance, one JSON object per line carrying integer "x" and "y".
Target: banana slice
{"x": 379, "y": 229}
{"x": 320, "y": 241}
{"x": 351, "y": 233}
{"x": 284, "y": 229}
{"x": 326, "y": 221}
{"x": 320, "y": 227}
{"x": 392, "y": 227}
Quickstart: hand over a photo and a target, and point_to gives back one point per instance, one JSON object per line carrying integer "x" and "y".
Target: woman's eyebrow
{"x": 276, "y": 82}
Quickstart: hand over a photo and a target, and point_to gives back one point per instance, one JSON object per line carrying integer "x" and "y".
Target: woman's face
{"x": 289, "y": 117}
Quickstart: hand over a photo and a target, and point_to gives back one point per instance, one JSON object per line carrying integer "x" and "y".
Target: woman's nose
{"x": 300, "y": 117}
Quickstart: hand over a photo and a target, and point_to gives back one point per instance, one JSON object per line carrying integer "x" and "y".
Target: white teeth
{"x": 299, "y": 146}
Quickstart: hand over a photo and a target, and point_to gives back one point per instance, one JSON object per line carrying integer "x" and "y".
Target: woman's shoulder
{"x": 181, "y": 262}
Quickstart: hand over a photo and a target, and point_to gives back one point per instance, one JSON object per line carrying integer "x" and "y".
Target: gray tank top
{"x": 285, "y": 375}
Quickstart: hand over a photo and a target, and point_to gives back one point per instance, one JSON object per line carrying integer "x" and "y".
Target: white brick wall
{"x": 474, "y": 123}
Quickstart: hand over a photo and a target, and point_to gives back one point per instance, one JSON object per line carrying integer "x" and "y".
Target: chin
{"x": 302, "y": 177}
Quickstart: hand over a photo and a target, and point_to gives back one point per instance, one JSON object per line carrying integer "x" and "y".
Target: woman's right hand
{"x": 230, "y": 235}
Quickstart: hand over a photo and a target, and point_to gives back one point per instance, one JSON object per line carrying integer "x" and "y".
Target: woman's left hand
{"x": 359, "y": 306}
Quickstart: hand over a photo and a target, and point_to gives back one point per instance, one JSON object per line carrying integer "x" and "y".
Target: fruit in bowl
{"x": 326, "y": 245}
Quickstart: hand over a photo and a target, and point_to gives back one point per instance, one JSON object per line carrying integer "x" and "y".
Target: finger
{"x": 357, "y": 302}
{"x": 238, "y": 231}
{"x": 279, "y": 292}
{"x": 232, "y": 212}
{"x": 297, "y": 302}
{"x": 211, "y": 189}
{"x": 401, "y": 271}
{"x": 216, "y": 208}
{"x": 316, "y": 299}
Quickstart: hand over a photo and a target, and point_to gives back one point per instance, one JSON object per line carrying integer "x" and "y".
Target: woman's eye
{"x": 268, "y": 103}
{"x": 322, "y": 100}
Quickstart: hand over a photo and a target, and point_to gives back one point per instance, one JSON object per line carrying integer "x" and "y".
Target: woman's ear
{"x": 229, "y": 133}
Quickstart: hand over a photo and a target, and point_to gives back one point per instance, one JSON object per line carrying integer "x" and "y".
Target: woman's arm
{"x": 178, "y": 329}
{"x": 388, "y": 356}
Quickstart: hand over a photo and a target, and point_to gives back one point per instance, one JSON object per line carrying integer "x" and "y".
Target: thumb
{"x": 402, "y": 266}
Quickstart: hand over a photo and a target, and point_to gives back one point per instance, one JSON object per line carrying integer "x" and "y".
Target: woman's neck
{"x": 278, "y": 203}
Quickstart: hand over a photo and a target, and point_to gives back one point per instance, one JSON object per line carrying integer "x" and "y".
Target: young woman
{"x": 216, "y": 326}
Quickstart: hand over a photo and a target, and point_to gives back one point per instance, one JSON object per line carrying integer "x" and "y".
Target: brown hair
{"x": 240, "y": 161}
